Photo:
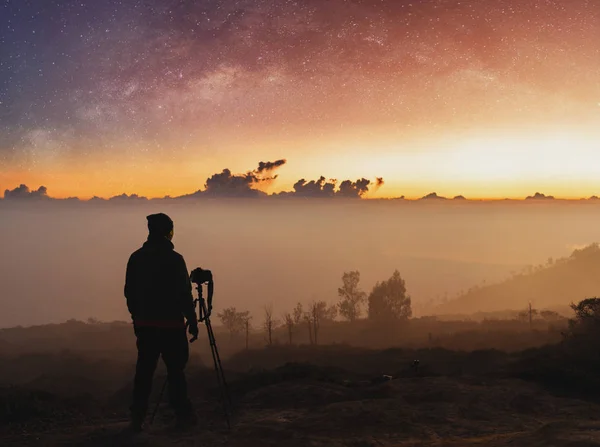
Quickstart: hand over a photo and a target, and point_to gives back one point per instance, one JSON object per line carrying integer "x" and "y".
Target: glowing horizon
{"x": 448, "y": 166}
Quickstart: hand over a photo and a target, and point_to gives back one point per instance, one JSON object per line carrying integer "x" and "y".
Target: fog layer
{"x": 62, "y": 261}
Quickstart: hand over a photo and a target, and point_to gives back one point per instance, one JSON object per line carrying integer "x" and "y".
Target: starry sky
{"x": 155, "y": 97}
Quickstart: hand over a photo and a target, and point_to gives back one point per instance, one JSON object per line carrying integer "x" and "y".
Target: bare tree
{"x": 318, "y": 312}
{"x": 289, "y": 323}
{"x": 307, "y": 317}
{"x": 314, "y": 310}
{"x": 531, "y": 315}
{"x": 298, "y": 313}
{"x": 317, "y": 309}
{"x": 269, "y": 323}
{"x": 246, "y": 320}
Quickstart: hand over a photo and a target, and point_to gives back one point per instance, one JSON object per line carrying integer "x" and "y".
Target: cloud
{"x": 432, "y": 196}
{"x": 539, "y": 196}
{"x": 97, "y": 199}
{"x": 314, "y": 188}
{"x": 269, "y": 166}
{"x": 23, "y": 192}
{"x": 227, "y": 184}
{"x": 323, "y": 188}
{"x": 354, "y": 189}
{"x": 378, "y": 184}
{"x": 126, "y": 198}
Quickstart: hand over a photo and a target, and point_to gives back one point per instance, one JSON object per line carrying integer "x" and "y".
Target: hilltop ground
{"x": 409, "y": 412}
{"x": 334, "y": 396}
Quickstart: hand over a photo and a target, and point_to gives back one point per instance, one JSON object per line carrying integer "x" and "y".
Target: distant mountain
{"x": 555, "y": 284}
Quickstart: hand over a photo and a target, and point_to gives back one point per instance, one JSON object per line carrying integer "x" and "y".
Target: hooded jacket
{"x": 157, "y": 286}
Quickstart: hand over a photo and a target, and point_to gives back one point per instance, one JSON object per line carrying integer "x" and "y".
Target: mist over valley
{"x": 68, "y": 260}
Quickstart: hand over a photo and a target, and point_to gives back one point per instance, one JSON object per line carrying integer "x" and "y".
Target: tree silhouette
{"x": 351, "y": 297}
{"x": 307, "y": 317}
{"x": 315, "y": 313}
{"x": 388, "y": 301}
{"x": 246, "y": 321}
{"x": 319, "y": 313}
{"x": 233, "y": 320}
{"x": 289, "y": 323}
{"x": 270, "y": 324}
{"x": 587, "y": 317}
{"x": 298, "y": 313}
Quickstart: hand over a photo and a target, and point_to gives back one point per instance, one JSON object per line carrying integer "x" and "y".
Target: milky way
{"x": 82, "y": 78}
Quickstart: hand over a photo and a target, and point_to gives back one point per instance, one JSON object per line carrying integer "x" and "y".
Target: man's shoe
{"x": 137, "y": 416}
{"x": 136, "y": 426}
{"x": 133, "y": 428}
{"x": 186, "y": 422}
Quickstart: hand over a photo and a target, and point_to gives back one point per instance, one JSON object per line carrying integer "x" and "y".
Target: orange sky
{"x": 559, "y": 162}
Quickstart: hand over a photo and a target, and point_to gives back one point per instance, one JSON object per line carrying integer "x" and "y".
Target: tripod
{"x": 205, "y": 317}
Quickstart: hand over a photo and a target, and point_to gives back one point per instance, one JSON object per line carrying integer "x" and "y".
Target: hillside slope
{"x": 557, "y": 284}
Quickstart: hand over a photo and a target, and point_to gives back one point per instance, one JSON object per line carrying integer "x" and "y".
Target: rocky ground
{"x": 318, "y": 408}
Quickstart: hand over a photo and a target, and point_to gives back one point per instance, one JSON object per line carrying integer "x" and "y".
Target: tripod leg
{"x": 159, "y": 401}
{"x": 217, "y": 358}
{"x": 224, "y": 391}
{"x": 219, "y": 371}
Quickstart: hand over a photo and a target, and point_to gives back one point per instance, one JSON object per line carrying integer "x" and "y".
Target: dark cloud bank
{"x": 228, "y": 185}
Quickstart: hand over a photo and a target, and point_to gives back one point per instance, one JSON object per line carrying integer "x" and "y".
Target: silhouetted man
{"x": 159, "y": 295}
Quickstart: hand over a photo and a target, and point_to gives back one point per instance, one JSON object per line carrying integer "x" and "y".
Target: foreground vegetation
{"x": 508, "y": 381}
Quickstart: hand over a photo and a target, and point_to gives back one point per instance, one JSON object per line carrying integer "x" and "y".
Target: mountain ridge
{"x": 557, "y": 283}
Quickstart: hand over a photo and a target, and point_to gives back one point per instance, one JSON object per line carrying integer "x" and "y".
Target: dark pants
{"x": 173, "y": 345}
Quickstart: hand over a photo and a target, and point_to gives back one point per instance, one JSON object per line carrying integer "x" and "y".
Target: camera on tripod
{"x": 201, "y": 276}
